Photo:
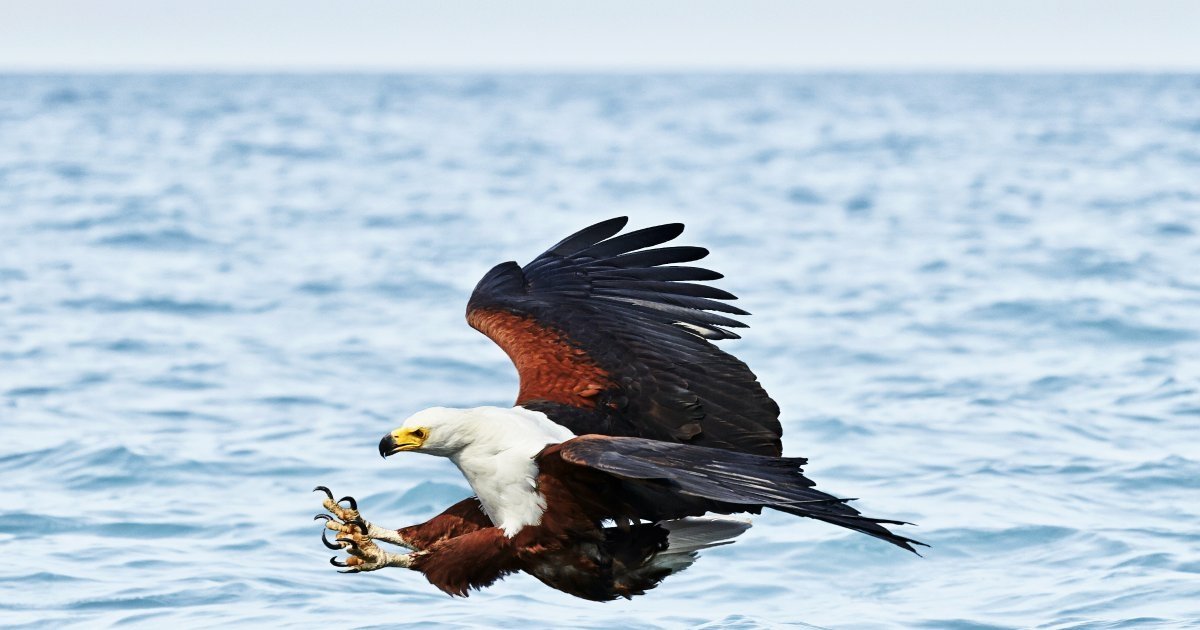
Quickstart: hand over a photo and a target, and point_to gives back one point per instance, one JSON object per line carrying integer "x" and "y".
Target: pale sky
{"x": 610, "y": 35}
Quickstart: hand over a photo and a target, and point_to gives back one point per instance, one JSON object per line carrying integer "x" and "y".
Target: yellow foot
{"x": 357, "y": 537}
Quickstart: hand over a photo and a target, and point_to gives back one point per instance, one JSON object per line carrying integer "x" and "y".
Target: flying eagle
{"x": 629, "y": 425}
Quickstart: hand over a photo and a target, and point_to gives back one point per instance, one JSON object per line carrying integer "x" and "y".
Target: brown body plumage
{"x": 570, "y": 551}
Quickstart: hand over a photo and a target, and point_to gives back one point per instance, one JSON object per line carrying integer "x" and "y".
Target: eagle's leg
{"x": 349, "y": 524}
{"x": 357, "y": 536}
{"x": 365, "y": 555}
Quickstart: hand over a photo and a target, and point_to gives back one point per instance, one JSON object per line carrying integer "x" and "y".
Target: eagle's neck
{"x": 499, "y": 464}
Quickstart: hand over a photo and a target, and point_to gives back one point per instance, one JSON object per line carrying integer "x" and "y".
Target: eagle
{"x": 631, "y": 430}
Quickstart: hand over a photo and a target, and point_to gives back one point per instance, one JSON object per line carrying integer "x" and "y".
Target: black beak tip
{"x": 386, "y": 445}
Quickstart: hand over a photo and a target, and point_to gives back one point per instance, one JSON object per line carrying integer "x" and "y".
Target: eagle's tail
{"x": 838, "y": 513}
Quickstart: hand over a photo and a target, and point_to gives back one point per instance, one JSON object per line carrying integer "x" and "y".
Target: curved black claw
{"x": 337, "y": 563}
{"x": 329, "y": 544}
{"x": 322, "y": 517}
{"x": 325, "y": 490}
{"x": 350, "y": 500}
{"x": 350, "y": 570}
{"x": 349, "y": 541}
{"x": 360, "y": 524}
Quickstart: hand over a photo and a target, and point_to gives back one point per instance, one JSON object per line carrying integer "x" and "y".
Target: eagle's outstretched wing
{"x": 732, "y": 480}
{"x": 610, "y": 336}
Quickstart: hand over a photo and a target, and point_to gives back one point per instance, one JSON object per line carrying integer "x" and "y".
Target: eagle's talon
{"x": 346, "y": 515}
{"x": 370, "y": 558}
{"x": 355, "y": 535}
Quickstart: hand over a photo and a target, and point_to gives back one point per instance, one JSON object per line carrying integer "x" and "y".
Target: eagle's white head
{"x": 493, "y": 447}
{"x": 448, "y": 432}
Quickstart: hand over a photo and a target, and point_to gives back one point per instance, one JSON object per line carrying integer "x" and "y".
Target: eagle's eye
{"x": 419, "y": 434}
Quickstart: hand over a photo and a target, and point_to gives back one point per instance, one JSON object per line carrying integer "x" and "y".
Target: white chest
{"x": 505, "y": 483}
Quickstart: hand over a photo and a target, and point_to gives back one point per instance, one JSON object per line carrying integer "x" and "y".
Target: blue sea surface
{"x": 976, "y": 299}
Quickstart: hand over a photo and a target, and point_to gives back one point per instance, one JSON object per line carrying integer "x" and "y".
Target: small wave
{"x": 427, "y": 497}
{"x": 1131, "y": 332}
{"x": 109, "y": 467}
{"x": 22, "y": 523}
{"x": 836, "y": 428}
{"x": 417, "y": 217}
{"x": 626, "y": 189}
{"x": 45, "y": 577}
{"x": 1086, "y": 262}
{"x": 961, "y": 624}
{"x": 979, "y": 541}
{"x": 33, "y": 391}
{"x": 1078, "y": 319}
{"x": 8, "y": 274}
{"x": 896, "y": 145}
{"x": 1053, "y": 384}
{"x": 318, "y": 287}
{"x": 804, "y": 196}
{"x": 194, "y": 595}
{"x": 1168, "y": 389}
{"x": 750, "y": 622}
{"x": 82, "y": 224}
{"x": 415, "y": 287}
{"x": 64, "y": 97}
{"x": 436, "y": 367}
{"x": 1170, "y": 472}
{"x": 299, "y": 400}
{"x": 179, "y": 415}
{"x": 240, "y": 149}
{"x": 1174, "y": 229}
{"x": 141, "y": 530}
{"x": 128, "y": 345}
{"x": 154, "y": 305}
{"x": 169, "y": 239}
{"x": 1120, "y": 204}
{"x": 180, "y": 384}
{"x": 859, "y": 204}
{"x": 70, "y": 171}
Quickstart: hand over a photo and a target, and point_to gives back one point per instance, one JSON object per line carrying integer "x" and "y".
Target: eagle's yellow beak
{"x": 402, "y": 440}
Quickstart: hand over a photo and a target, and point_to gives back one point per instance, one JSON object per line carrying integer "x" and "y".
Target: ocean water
{"x": 976, "y": 298}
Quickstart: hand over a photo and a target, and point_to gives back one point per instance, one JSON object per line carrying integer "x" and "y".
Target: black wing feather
{"x": 676, "y": 288}
{"x": 665, "y": 274}
{"x": 680, "y": 313}
{"x": 673, "y": 299}
{"x": 622, "y": 300}
{"x": 725, "y": 477}
{"x": 587, "y": 237}
{"x": 633, "y": 241}
{"x": 656, "y": 257}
